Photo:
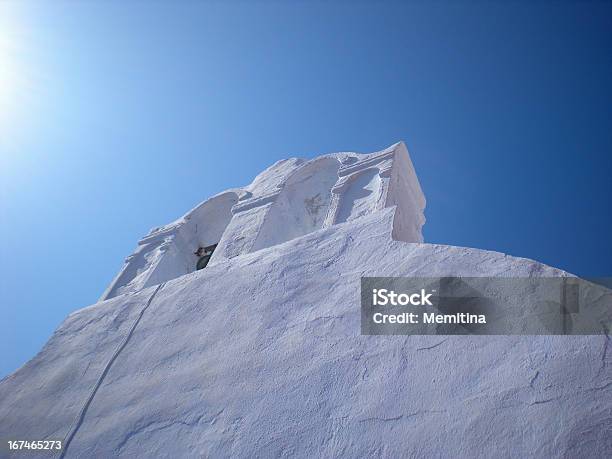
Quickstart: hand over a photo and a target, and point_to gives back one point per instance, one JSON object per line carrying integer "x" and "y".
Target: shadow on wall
{"x": 203, "y": 227}
{"x": 302, "y": 205}
{"x": 360, "y": 197}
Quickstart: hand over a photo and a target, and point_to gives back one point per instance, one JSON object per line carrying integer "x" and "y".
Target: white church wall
{"x": 240, "y": 235}
{"x": 405, "y": 193}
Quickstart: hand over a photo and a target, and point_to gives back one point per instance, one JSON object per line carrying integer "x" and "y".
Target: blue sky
{"x": 116, "y": 117}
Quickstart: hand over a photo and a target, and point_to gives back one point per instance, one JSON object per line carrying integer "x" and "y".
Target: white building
{"x": 260, "y": 354}
{"x": 292, "y": 198}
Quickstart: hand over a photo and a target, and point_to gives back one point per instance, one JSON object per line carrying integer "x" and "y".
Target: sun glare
{"x": 8, "y": 72}
{"x": 13, "y": 78}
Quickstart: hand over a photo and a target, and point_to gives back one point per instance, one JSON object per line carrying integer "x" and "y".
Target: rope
{"x": 76, "y": 425}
